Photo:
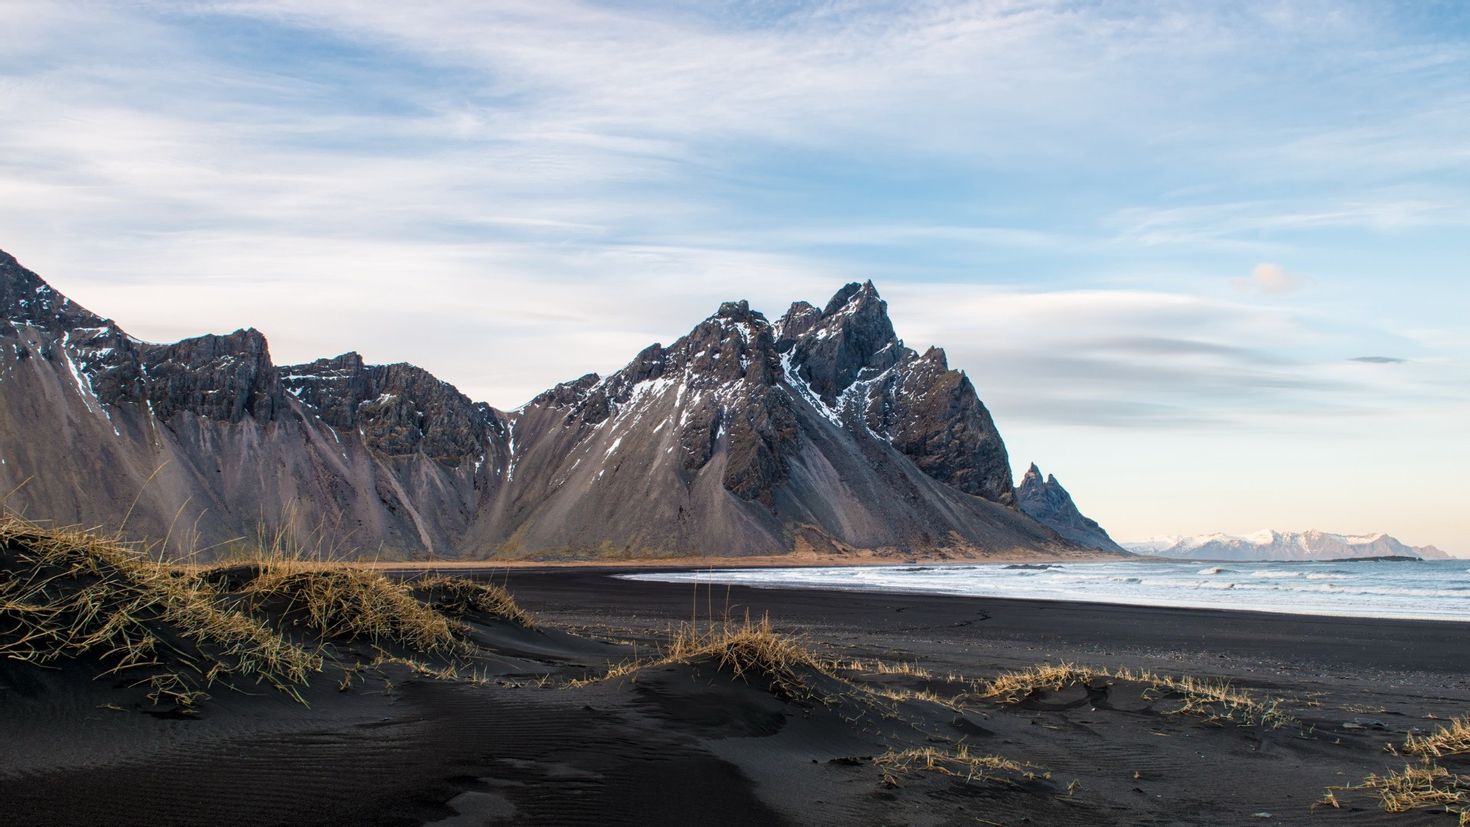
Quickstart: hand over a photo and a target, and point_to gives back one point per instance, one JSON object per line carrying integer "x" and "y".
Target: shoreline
{"x": 519, "y": 738}
{"x": 637, "y": 573}
{"x": 1440, "y": 644}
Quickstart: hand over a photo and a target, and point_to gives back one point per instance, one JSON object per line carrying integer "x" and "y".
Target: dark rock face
{"x": 26, "y": 299}
{"x": 401, "y": 410}
{"x": 821, "y": 431}
{"x": 855, "y": 366}
{"x": 224, "y": 378}
{"x": 852, "y": 336}
{"x": 1049, "y": 504}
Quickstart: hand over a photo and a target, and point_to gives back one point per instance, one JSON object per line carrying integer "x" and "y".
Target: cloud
{"x": 1269, "y": 278}
{"x": 1378, "y": 360}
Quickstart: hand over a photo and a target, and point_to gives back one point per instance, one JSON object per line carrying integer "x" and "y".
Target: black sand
{"x": 693, "y": 745}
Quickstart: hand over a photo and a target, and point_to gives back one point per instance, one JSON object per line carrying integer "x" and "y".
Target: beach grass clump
{"x": 1216, "y": 701}
{"x": 344, "y": 603}
{"x": 745, "y": 648}
{"x": 959, "y": 762}
{"x": 1016, "y": 686}
{"x": 1420, "y": 787}
{"x": 751, "y": 648}
{"x": 68, "y": 594}
{"x": 1447, "y": 741}
{"x": 462, "y": 597}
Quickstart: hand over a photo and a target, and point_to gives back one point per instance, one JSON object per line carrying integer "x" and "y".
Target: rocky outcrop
{"x": 399, "y": 410}
{"x": 851, "y": 362}
{"x": 820, "y": 431}
{"x": 1048, "y": 503}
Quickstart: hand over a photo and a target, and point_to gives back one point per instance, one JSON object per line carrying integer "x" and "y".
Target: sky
{"x": 1208, "y": 263}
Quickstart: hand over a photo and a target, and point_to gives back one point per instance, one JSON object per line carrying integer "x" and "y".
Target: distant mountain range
{"x": 818, "y": 432}
{"x": 1283, "y": 545}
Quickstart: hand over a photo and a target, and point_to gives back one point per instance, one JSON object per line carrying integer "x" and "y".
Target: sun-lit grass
{"x": 66, "y": 594}
{"x": 461, "y": 596}
{"x": 746, "y": 648}
{"x": 881, "y": 667}
{"x": 1016, "y": 686}
{"x": 1214, "y": 700}
{"x": 1450, "y": 740}
{"x": 1426, "y": 786}
{"x": 342, "y": 603}
{"x": 958, "y": 762}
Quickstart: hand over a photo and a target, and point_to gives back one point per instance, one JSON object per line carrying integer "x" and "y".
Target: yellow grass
{"x": 1214, "y": 700}
{"x": 744, "y": 648}
{"x": 68, "y": 594}
{"x": 1013, "y": 687}
{"x": 461, "y": 596}
{"x": 959, "y": 762}
{"x": 352, "y": 604}
{"x": 1450, "y": 740}
{"x": 1425, "y": 786}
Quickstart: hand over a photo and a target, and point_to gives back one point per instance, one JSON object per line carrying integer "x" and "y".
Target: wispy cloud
{"x": 511, "y": 193}
{"x": 1268, "y": 277}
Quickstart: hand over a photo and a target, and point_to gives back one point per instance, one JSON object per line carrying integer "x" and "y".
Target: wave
{"x": 1428, "y": 592}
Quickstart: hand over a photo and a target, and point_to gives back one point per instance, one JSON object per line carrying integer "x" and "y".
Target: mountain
{"x": 1048, "y": 503}
{"x": 819, "y": 432}
{"x": 1283, "y": 545}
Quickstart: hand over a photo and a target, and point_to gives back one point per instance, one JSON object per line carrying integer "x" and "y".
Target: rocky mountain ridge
{"x": 820, "y": 432}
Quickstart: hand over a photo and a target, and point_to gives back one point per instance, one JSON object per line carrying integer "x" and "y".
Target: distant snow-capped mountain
{"x": 1283, "y": 545}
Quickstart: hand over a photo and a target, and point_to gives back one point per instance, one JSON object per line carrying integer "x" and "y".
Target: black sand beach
{"x": 689, "y": 743}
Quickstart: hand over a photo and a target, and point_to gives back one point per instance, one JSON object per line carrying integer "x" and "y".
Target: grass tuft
{"x": 1426, "y": 786}
{"x": 343, "y": 603}
{"x": 959, "y": 762}
{"x": 1447, "y": 741}
{"x": 461, "y": 596}
{"x": 68, "y": 594}
{"x": 1014, "y": 687}
{"x": 1214, "y": 700}
{"x": 744, "y": 648}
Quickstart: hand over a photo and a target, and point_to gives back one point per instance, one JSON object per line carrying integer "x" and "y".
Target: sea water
{"x": 1420, "y": 589}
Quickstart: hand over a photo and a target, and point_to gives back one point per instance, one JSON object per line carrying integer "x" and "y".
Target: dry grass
{"x": 344, "y": 603}
{"x": 1214, "y": 700}
{"x": 1423, "y": 787}
{"x": 1014, "y": 687}
{"x": 67, "y": 594}
{"x": 905, "y": 695}
{"x": 745, "y": 648}
{"x": 461, "y": 596}
{"x": 959, "y": 762}
{"x": 880, "y": 667}
{"x": 1447, "y": 741}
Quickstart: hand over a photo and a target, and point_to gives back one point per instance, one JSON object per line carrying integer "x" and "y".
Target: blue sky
{"x": 1157, "y": 235}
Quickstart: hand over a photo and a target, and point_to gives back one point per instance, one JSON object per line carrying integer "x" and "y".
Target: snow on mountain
{"x": 1282, "y": 545}
{"x": 818, "y": 432}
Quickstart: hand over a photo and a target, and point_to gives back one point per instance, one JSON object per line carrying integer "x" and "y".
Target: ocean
{"x": 1423, "y": 589}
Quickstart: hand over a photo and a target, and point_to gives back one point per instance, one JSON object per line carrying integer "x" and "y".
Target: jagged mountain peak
{"x": 855, "y": 294}
{"x": 1047, "y": 502}
{"x": 26, "y": 298}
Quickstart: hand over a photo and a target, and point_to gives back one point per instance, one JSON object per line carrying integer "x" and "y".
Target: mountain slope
{"x": 1048, "y": 503}
{"x": 820, "y": 432}
{"x": 1289, "y": 545}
